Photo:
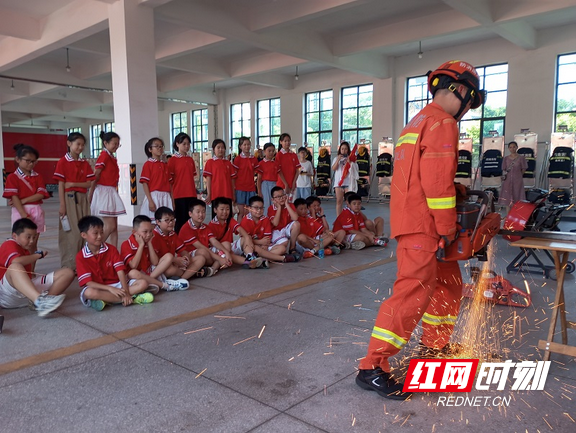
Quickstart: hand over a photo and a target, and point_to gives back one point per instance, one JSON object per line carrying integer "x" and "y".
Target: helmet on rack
{"x": 457, "y": 71}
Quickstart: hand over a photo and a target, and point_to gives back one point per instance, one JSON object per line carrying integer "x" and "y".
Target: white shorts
{"x": 160, "y": 198}
{"x": 237, "y": 247}
{"x": 117, "y": 285}
{"x": 12, "y": 298}
{"x": 106, "y": 202}
{"x": 36, "y": 214}
{"x": 350, "y": 238}
{"x": 282, "y": 233}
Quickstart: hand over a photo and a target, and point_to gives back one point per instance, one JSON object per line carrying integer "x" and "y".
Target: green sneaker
{"x": 143, "y": 298}
{"x": 97, "y": 304}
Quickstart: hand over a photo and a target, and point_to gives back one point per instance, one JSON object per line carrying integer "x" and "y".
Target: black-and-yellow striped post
{"x": 4, "y": 177}
{"x": 133, "y": 185}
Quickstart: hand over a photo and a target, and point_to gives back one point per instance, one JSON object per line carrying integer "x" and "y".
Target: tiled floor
{"x": 254, "y": 351}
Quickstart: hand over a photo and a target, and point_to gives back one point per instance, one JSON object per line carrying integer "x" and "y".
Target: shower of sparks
{"x": 246, "y": 339}
{"x": 198, "y": 330}
{"x": 230, "y": 317}
{"x": 261, "y": 331}
{"x": 200, "y": 374}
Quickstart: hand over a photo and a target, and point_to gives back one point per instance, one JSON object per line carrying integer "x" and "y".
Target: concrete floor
{"x": 256, "y": 351}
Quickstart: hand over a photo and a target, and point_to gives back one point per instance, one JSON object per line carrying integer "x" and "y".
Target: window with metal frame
{"x": 318, "y": 118}
{"x": 565, "y": 104}
{"x": 95, "y": 141}
{"x": 240, "y": 117}
{"x": 178, "y": 124}
{"x": 200, "y": 131}
{"x": 356, "y": 113}
{"x": 268, "y": 124}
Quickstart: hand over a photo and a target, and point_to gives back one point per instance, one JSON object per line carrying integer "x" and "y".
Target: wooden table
{"x": 560, "y": 251}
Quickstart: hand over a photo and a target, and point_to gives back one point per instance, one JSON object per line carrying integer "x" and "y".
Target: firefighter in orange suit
{"x": 422, "y": 213}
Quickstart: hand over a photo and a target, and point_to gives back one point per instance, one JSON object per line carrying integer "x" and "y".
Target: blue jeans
{"x": 267, "y": 186}
{"x": 303, "y": 192}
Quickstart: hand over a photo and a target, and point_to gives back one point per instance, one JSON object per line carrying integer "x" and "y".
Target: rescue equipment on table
{"x": 491, "y": 164}
{"x": 477, "y": 224}
{"x": 533, "y": 218}
{"x": 495, "y": 289}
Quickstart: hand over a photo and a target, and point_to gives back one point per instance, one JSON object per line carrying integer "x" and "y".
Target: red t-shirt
{"x": 155, "y": 174}
{"x": 166, "y": 243}
{"x": 269, "y": 170}
{"x": 190, "y": 233}
{"x": 128, "y": 251}
{"x": 220, "y": 232}
{"x": 245, "y": 168}
{"x": 20, "y": 185}
{"x": 69, "y": 169}
{"x": 349, "y": 220}
{"x": 182, "y": 170}
{"x": 110, "y": 173}
{"x": 285, "y": 218}
{"x": 221, "y": 171}
{"x": 257, "y": 229}
{"x": 8, "y": 252}
{"x": 310, "y": 226}
{"x": 288, "y": 163}
{"x": 101, "y": 268}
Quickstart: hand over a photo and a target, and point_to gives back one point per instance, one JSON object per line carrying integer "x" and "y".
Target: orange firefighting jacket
{"x": 423, "y": 196}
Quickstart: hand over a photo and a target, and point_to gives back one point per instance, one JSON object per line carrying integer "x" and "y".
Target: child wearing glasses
{"x": 155, "y": 179}
{"x": 26, "y": 189}
{"x": 105, "y": 202}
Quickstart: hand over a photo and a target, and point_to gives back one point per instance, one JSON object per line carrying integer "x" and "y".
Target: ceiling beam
{"x": 19, "y": 26}
{"x": 293, "y": 12}
{"x": 184, "y": 43}
{"x": 73, "y": 22}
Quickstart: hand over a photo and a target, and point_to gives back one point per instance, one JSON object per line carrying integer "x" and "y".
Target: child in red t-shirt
{"x": 18, "y": 285}
{"x": 289, "y": 164}
{"x": 219, "y": 173}
{"x": 259, "y": 228}
{"x": 101, "y": 271}
{"x": 200, "y": 240}
{"x": 155, "y": 179}
{"x": 142, "y": 259}
{"x": 312, "y": 233}
{"x": 26, "y": 189}
{"x": 268, "y": 174}
{"x": 223, "y": 226}
{"x": 105, "y": 202}
{"x": 167, "y": 241}
{"x": 352, "y": 221}
{"x": 74, "y": 176}
{"x": 245, "y": 166}
{"x": 182, "y": 169}
{"x": 284, "y": 219}
{"x": 317, "y": 214}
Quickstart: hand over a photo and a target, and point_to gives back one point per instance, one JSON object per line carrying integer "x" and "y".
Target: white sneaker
{"x": 179, "y": 284}
{"x": 357, "y": 245}
{"x": 47, "y": 303}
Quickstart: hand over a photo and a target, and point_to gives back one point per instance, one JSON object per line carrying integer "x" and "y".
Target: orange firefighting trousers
{"x": 425, "y": 289}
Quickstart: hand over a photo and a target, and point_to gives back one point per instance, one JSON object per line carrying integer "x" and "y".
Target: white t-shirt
{"x": 304, "y": 180}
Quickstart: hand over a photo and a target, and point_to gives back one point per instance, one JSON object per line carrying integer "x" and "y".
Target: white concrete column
{"x": 3, "y": 201}
{"x": 135, "y": 92}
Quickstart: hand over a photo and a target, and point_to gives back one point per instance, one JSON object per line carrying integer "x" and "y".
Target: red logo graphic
{"x": 440, "y": 375}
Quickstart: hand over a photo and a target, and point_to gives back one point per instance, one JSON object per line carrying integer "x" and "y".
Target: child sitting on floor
{"x": 352, "y": 222}
{"x": 143, "y": 261}
{"x": 376, "y": 226}
{"x": 18, "y": 285}
{"x": 101, "y": 271}
{"x": 312, "y": 235}
{"x": 223, "y": 226}
{"x": 199, "y": 239}
{"x": 166, "y": 241}
{"x": 259, "y": 229}
{"x": 284, "y": 220}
